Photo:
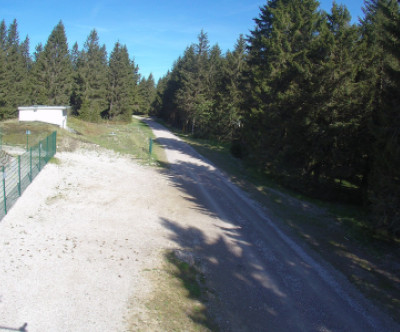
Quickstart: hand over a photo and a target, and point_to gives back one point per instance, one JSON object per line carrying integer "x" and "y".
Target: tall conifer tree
{"x": 15, "y": 72}
{"x": 281, "y": 80}
{"x": 193, "y": 96}
{"x": 91, "y": 79}
{"x": 53, "y": 71}
{"x": 3, "y": 81}
{"x": 122, "y": 79}
{"x": 231, "y": 90}
{"x": 384, "y": 186}
{"x": 146, "y": 92}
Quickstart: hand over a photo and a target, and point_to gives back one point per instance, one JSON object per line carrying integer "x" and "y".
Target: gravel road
{"x": 263, "y": 279}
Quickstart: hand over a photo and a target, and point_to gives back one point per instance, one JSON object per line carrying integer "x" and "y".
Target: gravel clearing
{"x": 74, "y": 245}
{"x": 78, "y": 246}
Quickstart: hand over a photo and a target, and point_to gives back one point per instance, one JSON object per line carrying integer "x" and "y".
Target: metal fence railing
{"x": 20, "y": 172}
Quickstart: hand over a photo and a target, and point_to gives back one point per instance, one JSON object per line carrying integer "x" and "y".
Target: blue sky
{"x": 156, "y": 32}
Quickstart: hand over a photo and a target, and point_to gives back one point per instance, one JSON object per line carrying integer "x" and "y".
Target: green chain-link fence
{"x": 20, "y": 172}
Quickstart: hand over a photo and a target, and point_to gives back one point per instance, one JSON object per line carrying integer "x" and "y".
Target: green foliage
{"x": 126, "y": 138}
{"x": 318, "y": 103}
{"x": 52, "y": 71}
{"x": 384, "y": 188}
{"x": 310, "y": 99}
{"x": 89, "y": 95}
{"x": 14, "y": 62}
{"x": 122, "y": 79}
{"x": 201, "y": 94}
{"x": 86, "y": 79}
{"x": 146, "y": 95}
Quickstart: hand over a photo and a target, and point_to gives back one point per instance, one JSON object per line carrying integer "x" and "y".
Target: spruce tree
{"x": 156, "y": 107}
{"x": 384, "y": 185}
{"x": 193, "y": 97}
{"x": 332, "y": 151}
{"x": 278, "y": 110}
{"x": 122, "y": 79}
{"x": 187, "y": 88}
{"x": 231, "y": 92}
{"x": 75, "y": 53}
{"x": 165, "y": 102}
{"x": 210, "y": 125}
{"x": 91, "y": 80}
{"x": 27, "y": 66}
{"x": 3, "y": 81}
{"x": 52, "y": 72}
{"x": 15, "y": 72}
{"x": 146, "y": 94}
{"x": 37, "y": 78}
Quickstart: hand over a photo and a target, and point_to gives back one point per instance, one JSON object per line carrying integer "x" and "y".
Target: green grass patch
{"x": 125, "y": 138}
{"x": 179, "y": 302}
{"x": 54, "y": 161}
{"x": 13, "y": 132}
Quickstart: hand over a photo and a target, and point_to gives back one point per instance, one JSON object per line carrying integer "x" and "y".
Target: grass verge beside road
{"x": 179, "y": 301}
{"x": 125, "y": 138}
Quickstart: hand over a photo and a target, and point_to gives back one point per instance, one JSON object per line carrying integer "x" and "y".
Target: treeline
{"x": 202, "y": 93}
{"x": 95, "y": 85}
{"x": 308, "y": 97}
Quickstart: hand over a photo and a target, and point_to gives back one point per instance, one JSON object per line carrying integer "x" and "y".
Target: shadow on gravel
{"x": 257, "y": 277}
{"x": 188, "y": 272}
{"x": 239, "y": 306}
{"x": 239, "y": 293}
{"x": 21, "y": 329}
{"x": 254, "y": 280}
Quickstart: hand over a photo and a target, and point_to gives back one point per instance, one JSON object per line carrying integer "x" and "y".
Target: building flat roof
{"x": 27, "y": 108}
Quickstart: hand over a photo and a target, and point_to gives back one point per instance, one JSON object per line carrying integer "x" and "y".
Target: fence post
{"x": 19, "y": 176}
{"x": 55, "y": 143}
{"x": 150, "y": 145}
{"x": 40, "y": 147}
{"x": 4, "y": 191}
{"x": 47, "y": 149}
{"x": 30, "y": 164}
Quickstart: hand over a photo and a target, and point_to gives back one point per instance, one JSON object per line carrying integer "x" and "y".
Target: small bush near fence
{"x": 20, "y": 172}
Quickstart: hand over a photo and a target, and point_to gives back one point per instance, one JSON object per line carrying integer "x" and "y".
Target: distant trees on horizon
{"x": 94, "y": 85}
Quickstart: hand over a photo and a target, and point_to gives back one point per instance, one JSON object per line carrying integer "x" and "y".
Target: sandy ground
{"x": 73, "y": 247}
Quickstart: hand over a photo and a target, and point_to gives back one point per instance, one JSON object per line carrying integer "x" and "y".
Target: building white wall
{"x": 50, "y": 114}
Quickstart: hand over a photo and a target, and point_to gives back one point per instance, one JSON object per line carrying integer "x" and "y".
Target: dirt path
{"x": 76, "y": 247}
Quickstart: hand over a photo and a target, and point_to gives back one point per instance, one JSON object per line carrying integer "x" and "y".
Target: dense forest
{"x": 307, "y": 97}
{"x": 94, "y": 84}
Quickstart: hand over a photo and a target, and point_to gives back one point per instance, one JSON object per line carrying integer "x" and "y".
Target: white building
{"x": 50, "y": 114}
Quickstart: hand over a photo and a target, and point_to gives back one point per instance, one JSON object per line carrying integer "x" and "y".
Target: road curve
{"x": 260, "y": 278}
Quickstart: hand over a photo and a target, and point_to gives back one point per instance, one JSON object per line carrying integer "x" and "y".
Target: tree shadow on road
{"x": 233, "y": 293}
{"x": 256, "y": 277}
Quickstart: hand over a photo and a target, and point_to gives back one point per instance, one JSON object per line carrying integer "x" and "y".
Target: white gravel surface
{"x": 76, "y": 248}
{"x": 73, "y": 247}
